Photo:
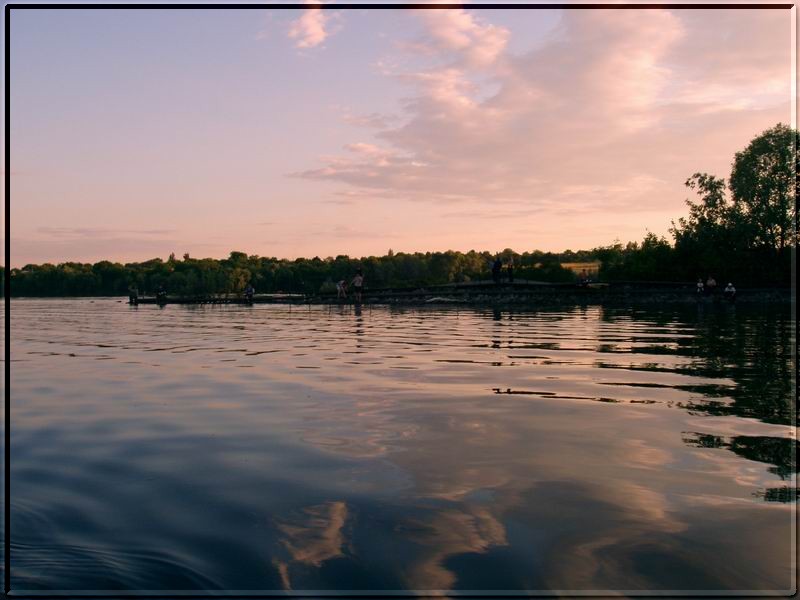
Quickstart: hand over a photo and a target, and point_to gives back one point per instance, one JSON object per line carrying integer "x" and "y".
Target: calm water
{"x": 296, "y": 448}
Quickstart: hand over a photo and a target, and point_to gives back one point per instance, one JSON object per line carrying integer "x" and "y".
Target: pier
{"x": 490, "y": 293}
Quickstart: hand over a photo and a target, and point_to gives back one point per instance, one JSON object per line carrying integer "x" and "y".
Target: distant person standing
{"x": 510, "y": 269}
{"x": 497, "y": 268}
{"x": 711, "y": 286}
{"x": 700, "y": 285}
{"x": 730, "y": 292}
{"x": 341, "y": 289}
{"x": 249, "y": 291}
{"x": 358, "y": 285}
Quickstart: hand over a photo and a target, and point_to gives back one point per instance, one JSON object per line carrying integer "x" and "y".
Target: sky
{"x": 305, "y": 132}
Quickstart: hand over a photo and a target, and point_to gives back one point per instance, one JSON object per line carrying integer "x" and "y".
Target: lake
{"x": 313, "y": 448}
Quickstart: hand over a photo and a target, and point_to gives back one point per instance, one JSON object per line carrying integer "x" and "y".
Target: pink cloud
{"x": 454, "y": 29}
{"x": 744, "y": 59}
{"x": 311, "y": 29}
{"x": 372, "y": 120}
{"x": 613, "y": 111}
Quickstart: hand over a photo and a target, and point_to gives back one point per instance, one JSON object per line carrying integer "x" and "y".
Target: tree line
{"x": 191, "y": 276}
{"x": 743, "y": 230}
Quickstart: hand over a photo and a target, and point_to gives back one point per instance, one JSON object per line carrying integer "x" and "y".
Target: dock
{"x": 504, "y": 293}
{"x": 222, "y": 299}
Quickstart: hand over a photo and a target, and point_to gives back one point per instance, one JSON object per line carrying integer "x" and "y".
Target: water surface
{"x": 278, "y": 447}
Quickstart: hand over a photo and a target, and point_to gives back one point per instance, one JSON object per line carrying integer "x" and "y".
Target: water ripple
{"x": 318, "y": 448}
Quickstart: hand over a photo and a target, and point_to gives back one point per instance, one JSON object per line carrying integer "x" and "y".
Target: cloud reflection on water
{"x": 312, "y": 537}
{"x": 393, "y": 464}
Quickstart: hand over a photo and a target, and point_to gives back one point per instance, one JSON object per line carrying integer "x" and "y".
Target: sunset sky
{"x": 136, "y": 133}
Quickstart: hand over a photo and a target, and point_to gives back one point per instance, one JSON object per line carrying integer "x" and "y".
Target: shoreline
{"x": 516, "y": 294}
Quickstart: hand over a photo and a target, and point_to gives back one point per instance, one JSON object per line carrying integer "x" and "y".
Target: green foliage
{"x": 750, "y": 236}
{"x": 198, "y": 277}
{"x": 652, "y": 260}
{"x": 762, "y": 183}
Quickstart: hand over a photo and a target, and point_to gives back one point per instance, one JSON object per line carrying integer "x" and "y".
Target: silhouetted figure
{"x": 341, "y": 289}
{"x": 133, "y": 295}
{"x": 249, "y": 291}
{"x": 510, "y": 270}
{"x": 730, "y": 292}
{"x": 358, "y": 285}
{"x": 700, "y": 285}
{"x": 711, "y": 286}
{"x": 161, "y": 293}
{"x": 497, "y": 268}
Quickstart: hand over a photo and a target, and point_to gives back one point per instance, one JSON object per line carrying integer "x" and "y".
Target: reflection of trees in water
{"x": 775, "y": 451}
{"x": 755, "y": 351}
{"x": 780, "y": 494}
{"x": 752, "y": 348}
{"x": 778, "y": 452}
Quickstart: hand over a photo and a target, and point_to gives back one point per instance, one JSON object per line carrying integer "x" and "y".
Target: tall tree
{"x": 708, "y": 217}
{"x": 763, "y": 186}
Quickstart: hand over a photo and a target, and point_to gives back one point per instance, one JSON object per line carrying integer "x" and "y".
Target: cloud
{"x": 98, "y": 232}
{"x": 456, "y": 30}
{"x": 348, "y": 232}
{"x": 338, "y": 201}
{"x": 372, "y": 120}
{"x": 311, "y": 29}
{"x": 445, "y": 89}
{"x": 733, "y": 76}
{"x": 613, "y": 110}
